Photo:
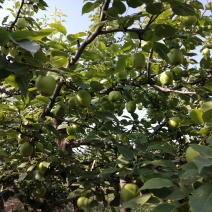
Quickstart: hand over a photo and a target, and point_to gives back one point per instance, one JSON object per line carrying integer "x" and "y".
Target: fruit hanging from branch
{"x": 128, "y": 191}
{"x": 175, "y": 56}
{"x": 45, "y": 85}
{"x": 174, "y": 122}
{"x": 166, "y": 78}
{"x": 138, "y": 60}
{"x": 21, "y": 23}
{"x": 114, "y": 96}
{"x": 84, "y": 98}
{"x": 26, "y": 149}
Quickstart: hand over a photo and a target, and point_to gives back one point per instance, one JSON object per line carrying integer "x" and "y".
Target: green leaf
{"x": 197, "y": 4}
{"x": 182, "y": 9}
{"x": 206, "y": 107}
{"x": 22, "y": 176}
{"x": 119, "y": 6}
{"x": 137, "y": 201}
{"x": 161, "y": 50}
{"x": 201, "y": 200}
{"x": 205, "y": 151}
{"x": 109, "y": 171}
{"x": 176, "y": 195}
{"x": 3, "y": 153}
{"x": 88, "y": 7}
{"x": 22, "y": 83}
{"x": 59, "y": 61}
{"x": 202, "y": 162}
{"x": 59, "y": 27}
{"x": 126, "y": 153}
{"x": 22, "y": 35}
{"x": 121, "y": 64}
{"x": 189, "y": 177}
{"x": 155, "y": 8}
{"x": 106, "y": 116}
{"x": 30, "y": 46}
{"x": 156, "y": 183}
{"x": 38, "y": 35}
{"x": 164, "y": 208}
{"x": 196, "y": 115}
{"x": 205, "y": 130}
{"x": 165, "y": 30}
{"x": 134, "y": 3}
{"x": 164, "y": 147}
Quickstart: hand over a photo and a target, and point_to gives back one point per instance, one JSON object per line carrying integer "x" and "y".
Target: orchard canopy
{"x": 115, "y": 118}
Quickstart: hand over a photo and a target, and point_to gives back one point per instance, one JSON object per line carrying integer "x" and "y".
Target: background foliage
{"x": 99, "y": 61}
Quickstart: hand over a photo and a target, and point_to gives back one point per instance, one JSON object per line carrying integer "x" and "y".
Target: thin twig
{"x": 17, "y": 16}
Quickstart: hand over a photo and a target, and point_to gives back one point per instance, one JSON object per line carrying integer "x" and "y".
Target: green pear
{"x": 131, "y": 106}
{"x": 45, "y": 85}
{"x": 174, "y": 122}
{"x": 21, "y": 23}
{"x": 175, "y": 56}
{"x": 128, "y": 191}
{"x": 84, "y": 98}
{"x": 26, "y": 149}
{"x": 166, "y": 78}
{"x": 114, "y": 96}
{"x": 138, "y": 60}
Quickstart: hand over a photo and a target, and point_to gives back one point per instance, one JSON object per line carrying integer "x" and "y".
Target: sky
{"x": 75, "y": 21}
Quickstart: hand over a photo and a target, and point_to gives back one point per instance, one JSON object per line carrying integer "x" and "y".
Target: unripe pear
{"x": 206, "y": 52}
{"x": 177, "y": 72}
{"x": 73, "y": 103}
{"x": 84, "y": 98}
{"x": 140, "y": 106}
{"x": 174, "y": 122}
{"x": 72, "y": 129}
{"x": 83, "y": 203}
{"x": 46, "y": 85}
{"x": 21, "y": 23}
{"x": 166, "y": 78}
{"x": 138, "y": 60}
{"x": 175, "y": 56}
{"x": 131, "y": 106}
{"x": 128, "y": 191}
{"x": 26, "y": 149}
{"x": 114, "y": 96}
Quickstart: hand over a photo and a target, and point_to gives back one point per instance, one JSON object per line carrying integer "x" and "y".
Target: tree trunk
{"x": 1, "y": 203}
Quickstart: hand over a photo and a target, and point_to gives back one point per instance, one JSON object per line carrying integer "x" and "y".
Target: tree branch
{"x": 92, "y": 36}
{"x": 149, "y": 65}
{"x": 166, "y": 90}
{"x": 46, "y": 112}
{"x": 17, "y": 16}
{"x": 73, "y": 60}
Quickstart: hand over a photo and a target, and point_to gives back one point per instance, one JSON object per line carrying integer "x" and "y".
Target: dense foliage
{"x": 131, "y": 95}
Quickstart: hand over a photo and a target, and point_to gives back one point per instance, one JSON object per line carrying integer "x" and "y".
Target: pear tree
{"x": 114, "y": 118}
